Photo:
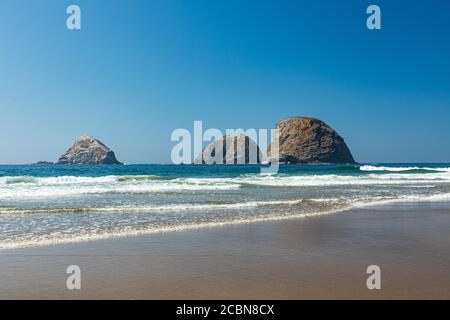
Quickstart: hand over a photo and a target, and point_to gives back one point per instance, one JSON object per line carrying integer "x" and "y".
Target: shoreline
{"x": 321, "y": 257}
{"x": 220, "y": 224}
{"x": 167, "y": 230}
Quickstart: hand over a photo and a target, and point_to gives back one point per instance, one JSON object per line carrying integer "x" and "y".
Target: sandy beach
{"x": 321, "y": 257}
{"x": 222, "y": 150}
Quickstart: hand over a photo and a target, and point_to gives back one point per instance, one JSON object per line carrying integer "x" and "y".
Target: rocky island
{"x": 305, "y": 140}
{"x": 236, "y": 149}
{"x": 88, "y": 150}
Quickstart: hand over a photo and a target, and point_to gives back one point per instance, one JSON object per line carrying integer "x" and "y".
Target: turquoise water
{"x": 47, "y": 204}
{"x": 210, "y": 170}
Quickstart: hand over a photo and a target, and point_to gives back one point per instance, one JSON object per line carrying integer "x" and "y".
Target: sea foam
{"x": 121, "y": 201}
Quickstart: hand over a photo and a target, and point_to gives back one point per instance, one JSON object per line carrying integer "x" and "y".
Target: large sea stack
{"x": 235, "y": 149}
{"x": 88, "y": 150}
{"x": 308, "y": 140}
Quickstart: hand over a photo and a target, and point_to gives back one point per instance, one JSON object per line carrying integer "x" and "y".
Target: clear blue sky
{"x": 139, "y": 69}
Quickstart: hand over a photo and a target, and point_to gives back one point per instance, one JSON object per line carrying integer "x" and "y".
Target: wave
{"x": 24, "y": 179}
{"x": 19, "y": 187}
{"x": 15, "y": 188}
{"x": 193, "y": 207}
{"x": 55, "y": 239}
{"x": 343, "y": 180}
{"x": 171, "y": 207}
{"x": 403, "y": 169}
{"x": 141, "y": 178}
{"x": 52, "y": 191}
{"x": 60, "y": 180}
{"x": 32, "y": 240}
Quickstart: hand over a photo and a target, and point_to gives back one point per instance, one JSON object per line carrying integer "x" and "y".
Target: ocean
{"x": 50, "y": 204}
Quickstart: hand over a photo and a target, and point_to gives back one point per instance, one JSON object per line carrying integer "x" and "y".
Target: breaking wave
{"x": 60, "y": 206}
{"x": 173, "y": 208}
{"x": 318, "y": 207}
{"x": 403, "y": 169}
{"x": 29, "y": 187}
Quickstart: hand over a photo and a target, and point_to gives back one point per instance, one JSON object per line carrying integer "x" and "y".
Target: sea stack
{"x": 231, "y": 149}
{"x": 88, "y": 150}
{"x": 310, "y": 141}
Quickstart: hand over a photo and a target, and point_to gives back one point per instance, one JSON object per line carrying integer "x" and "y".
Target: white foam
{"x": 171, "y": 207}
{"x": 152, "y": 208}
{"x": 400, "y": 169}
{"x": 71, "y": 186}
{"x": 336, "y": 180}
{"x": 51, "y": 187}
{"x": 64, "y": 239}
{"x": 345, "y": 204}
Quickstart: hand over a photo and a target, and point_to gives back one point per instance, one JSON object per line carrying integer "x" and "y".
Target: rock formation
{"x": 88, "y": 150}
{"x": 43, "y": 163}
{"x": 236, "y": 149}
{"x": 309, "y": 140}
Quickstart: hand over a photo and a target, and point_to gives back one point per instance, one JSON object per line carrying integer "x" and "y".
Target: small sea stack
{"x": 88, "y": 150}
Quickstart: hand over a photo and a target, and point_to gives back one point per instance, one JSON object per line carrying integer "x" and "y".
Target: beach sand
{"x": 321, "y": 257}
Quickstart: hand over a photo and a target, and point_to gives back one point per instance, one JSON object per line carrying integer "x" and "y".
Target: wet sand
{"x": 323, "y": 257}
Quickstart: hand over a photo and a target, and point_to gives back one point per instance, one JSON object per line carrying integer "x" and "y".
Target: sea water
{"x": 49, "y": 204}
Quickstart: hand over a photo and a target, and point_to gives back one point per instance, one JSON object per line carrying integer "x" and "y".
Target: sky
{"x": 137, "y": 70}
